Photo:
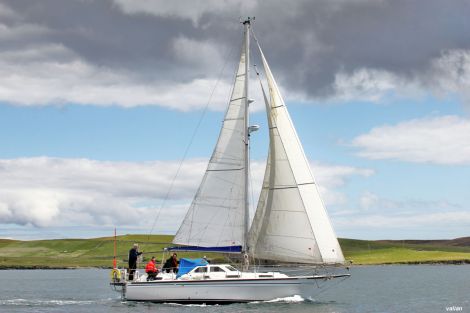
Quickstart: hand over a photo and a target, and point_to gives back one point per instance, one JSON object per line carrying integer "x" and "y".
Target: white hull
{"x": 224, "y": 291}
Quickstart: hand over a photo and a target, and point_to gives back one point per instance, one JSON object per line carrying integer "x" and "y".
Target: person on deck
{"x": 171, "y": 264}
{"x": 133, "y": 255}
{"x": 151, "y": 269}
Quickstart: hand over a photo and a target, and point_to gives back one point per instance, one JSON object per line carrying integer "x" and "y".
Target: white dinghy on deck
{"x": 290, "y": 225}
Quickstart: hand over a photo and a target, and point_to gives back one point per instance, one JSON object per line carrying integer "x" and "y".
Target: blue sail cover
{"x": 225, "y": 249}
{"x": 186, "y": 265}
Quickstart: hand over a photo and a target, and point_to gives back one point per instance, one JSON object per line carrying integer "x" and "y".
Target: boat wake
{"x": 293, "y": 299}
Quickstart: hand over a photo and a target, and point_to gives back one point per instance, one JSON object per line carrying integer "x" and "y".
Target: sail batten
{"x": 290, "y": 223}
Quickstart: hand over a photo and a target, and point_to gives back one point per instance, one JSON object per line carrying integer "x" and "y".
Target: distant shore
{"x": 98, "y": 252}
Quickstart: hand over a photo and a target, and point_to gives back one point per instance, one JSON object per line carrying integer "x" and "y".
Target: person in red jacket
{"x": 151, "y": 269}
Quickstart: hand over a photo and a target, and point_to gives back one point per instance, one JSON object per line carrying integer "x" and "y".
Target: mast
{"x": 246, "y": 25}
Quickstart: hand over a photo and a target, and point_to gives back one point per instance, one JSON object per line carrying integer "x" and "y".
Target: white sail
{"x": 217, "y": 214}
{"x": 290, "y": 223}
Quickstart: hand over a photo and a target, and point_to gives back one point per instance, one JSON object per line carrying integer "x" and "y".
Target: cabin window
{"x": 216, "y": 269}
{"x": 200, "y": 270}
{"x": 231, "y": 268}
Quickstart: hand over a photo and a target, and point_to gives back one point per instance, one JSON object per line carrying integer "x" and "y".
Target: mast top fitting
{"x": 247, "y": 20}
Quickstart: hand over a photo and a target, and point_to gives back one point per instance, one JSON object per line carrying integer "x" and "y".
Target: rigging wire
{"x": 201, "y": 118}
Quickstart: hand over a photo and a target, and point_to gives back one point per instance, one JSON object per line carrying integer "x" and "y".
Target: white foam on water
{"x": 293, "y": 299}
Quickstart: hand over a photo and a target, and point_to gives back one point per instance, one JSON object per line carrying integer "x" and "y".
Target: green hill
{"x": 407, "y": 251}
{"x": 98, "y": 252}
{"x": 71, "y": 253}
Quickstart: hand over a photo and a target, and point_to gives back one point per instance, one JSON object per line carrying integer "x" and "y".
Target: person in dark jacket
{"x": 171, "y": 264}
{"x": 133, "y": 254}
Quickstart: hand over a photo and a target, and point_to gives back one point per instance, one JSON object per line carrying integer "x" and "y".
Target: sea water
{"x": 401, "y": 288}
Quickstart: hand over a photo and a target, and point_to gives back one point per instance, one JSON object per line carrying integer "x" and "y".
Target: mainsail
{"x": 290, "y": 223}
{"x": 216, "y": 217}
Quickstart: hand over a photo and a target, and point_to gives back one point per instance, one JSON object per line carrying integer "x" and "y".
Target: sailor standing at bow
{"x": 133, "y": 255}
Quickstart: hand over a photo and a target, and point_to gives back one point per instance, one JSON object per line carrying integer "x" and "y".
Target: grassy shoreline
{"x": 98, "y": 252}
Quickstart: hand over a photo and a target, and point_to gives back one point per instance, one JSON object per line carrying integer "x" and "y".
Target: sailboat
{"x": 290, "y": 224}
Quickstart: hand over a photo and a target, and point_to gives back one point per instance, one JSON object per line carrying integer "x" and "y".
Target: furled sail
{"x": 290, "y": 223}
{"x": 216, "y": 216}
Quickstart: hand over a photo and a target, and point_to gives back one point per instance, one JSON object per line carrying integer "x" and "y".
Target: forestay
{"x": 217, "y": 214}
{"x": 290, "y": 223}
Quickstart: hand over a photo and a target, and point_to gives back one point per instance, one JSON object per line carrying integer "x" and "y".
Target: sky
{"x": 110, "y": 109}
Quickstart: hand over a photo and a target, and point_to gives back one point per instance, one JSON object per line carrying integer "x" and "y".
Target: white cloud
{"x": 446, "y": 220}
{"x": 53, "y": 192}
{"x": 378, "y": 86}
{"x": 370, "y": 202}
{"x": 364, "y": 84}
{"x": 451, "y": 73}
{"x": 440, "y": 140}
{"x": 331, "y": 177}
{"x": 52, "y": 74}
{"x": 448, "y": 74}
{"x": 378, "y": 217}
